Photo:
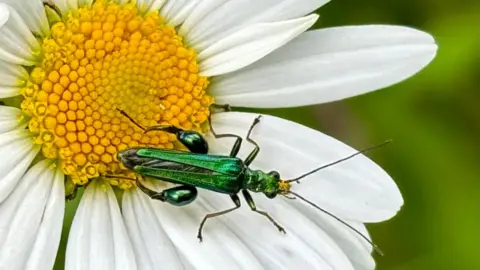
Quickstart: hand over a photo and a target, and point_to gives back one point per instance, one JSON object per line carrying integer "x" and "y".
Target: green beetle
{"x": 229, "y": 175}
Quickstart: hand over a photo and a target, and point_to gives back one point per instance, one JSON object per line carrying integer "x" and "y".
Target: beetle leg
{"x": 191, "y": 139}
{"x": 152, "y": 193}
{"x": 236, "y": 201}
{"x": 224, "y": 107}
{"x": 238, "y": 140}
{"x": 177, "y": 196}
{"x": 252, "y": 205}
{"x": 255, "y": 151}
{"x": 72, "y": 195}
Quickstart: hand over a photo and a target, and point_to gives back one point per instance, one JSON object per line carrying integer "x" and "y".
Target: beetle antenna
{"x": 375, "y": 247}
{"x": 338, "y": 161}
{"x": 131, "y": 119}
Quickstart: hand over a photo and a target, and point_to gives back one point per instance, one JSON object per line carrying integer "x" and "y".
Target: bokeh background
{"x": 434, "y": 120}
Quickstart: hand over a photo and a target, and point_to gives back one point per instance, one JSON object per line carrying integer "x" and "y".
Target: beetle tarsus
{"x": 252, "y": 205}
{"x": 265, "y": 214}
{"x": 257, "y": 120}
{"x": 71, "y": 196}
{"x": 256, "y": 150}
{"x": 224, "y": 107}
{"x": 236, "y": 201}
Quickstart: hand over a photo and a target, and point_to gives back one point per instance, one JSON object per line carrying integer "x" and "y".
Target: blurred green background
{"x": 434, "y": 120}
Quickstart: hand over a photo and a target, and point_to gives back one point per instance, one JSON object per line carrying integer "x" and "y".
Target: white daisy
{"x": 65, "y": 69}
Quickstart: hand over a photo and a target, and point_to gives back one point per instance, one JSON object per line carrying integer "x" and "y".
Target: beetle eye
{"x": 271, "y": 195}
{"x": 275, "y": 175}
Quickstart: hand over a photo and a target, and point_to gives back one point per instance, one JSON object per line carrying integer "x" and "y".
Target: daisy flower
{"x": 67, "y": 66}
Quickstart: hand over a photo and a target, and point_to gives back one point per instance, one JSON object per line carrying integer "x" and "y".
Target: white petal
{"x": 354, "y": 246}
{"x": 221, "y": 248}
{"x": 12, "y": 74}
{"x": 151, "y": 244}
{"x": 328, "y": 65}
{"x": 33, "y": 13}
{"x": 31, "y": 220}
{"x": 252, "y": 243}
{"x": 150, "y": 5}
{"x": 143, "y": 5}
{"x": 250, "y": 44}
{"x": 12, "y": 78}
{"x": 357, "y": 189}
{"x": 51, "y": 226}
{"x": 9, "y": 91}
{"x": 121, "y": 2}
{"x": 305, "y": 245}
{"x": 176, "y": 11}
{"x": 17, "y": 45}
{"x": 65, "y": 5}
{"x": 85, "y": 3}
{"x": 10, "y": 119}
{"x": 202, "y": 28}
{"x": 98, "y": 238}
{"x": 16, "y": 154}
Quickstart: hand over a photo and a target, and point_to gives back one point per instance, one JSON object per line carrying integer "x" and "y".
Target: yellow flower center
{"x": 105, "y": 58}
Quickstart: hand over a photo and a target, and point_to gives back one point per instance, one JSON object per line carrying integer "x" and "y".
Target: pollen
{"x": 101, "y": 59}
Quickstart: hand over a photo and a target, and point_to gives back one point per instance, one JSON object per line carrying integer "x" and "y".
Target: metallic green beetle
{"x": 223, "y": 174}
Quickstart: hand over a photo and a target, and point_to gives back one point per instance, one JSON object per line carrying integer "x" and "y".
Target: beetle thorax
{"x": 260, "y": 181}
